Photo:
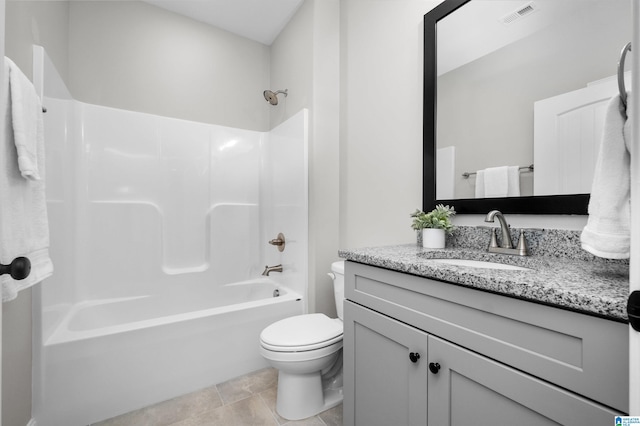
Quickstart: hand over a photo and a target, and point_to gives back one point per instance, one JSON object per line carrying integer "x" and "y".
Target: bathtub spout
{"x": 269, "y": 269}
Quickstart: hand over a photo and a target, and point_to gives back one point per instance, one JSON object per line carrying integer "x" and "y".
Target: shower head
{"x": 272, "y": 97}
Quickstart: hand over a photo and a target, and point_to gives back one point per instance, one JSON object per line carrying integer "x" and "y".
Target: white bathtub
{"x": 109, "y": 357}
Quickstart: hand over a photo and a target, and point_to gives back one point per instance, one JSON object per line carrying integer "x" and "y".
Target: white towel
{"x": 513, "y": 180}
{"x": 501, "y": 181}
{"x": 607, "y": 233}
{"x": 480, "y": 184}
{"x": 28, "y": 129}
{"x": 496, "y": 182}
{"x": 24, "y": 229}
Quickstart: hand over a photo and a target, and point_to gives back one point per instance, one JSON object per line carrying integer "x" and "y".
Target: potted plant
{"x": 433, "y": 225}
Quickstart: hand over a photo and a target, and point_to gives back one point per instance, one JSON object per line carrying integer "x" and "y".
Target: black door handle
{"x": 434, "y": 367}
{"x": 19, "y": 268}
{"x": 414, "y": 356}
{"x": 633, "y": 310}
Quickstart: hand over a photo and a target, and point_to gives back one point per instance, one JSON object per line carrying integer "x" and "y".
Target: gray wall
{"x": 37, "y": 22}
{"x": 135, "y": 56}
{"x": 381, "y": 119}
{"x": 138, "y": 57}
{"x": 305, "y": 60}
{"x": 16, "y": 360}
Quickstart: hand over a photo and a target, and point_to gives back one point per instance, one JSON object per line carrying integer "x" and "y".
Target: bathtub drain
{"x": 276, "y": 293}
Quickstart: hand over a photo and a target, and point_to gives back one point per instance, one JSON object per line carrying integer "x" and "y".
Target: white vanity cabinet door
{"x": 383, "y": 386}
{"x": 470, "y": 389}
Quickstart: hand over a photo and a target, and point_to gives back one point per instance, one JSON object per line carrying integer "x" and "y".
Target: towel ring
{"x": 621, "y": 88}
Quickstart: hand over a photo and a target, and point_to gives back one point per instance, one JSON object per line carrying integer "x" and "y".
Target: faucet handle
{"x": 494, "y": 240}
{"x": 279, "y": 242}
{"x": 522, "y": 244}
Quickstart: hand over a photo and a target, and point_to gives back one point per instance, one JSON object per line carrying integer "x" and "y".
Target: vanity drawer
{"x": 579, "y": 352}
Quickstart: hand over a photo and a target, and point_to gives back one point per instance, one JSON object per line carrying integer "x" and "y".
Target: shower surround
{"x": 159, "y": 231}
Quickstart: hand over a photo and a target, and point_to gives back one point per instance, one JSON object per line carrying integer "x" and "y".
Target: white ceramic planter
{"x": 433, "y": 238}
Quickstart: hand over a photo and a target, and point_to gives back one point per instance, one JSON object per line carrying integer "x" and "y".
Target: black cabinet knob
{"x": 434, "y": 367}
{"x": 633, "y": 310}
{"x": 414, "y": 356}
{"x": 19, "y": 268}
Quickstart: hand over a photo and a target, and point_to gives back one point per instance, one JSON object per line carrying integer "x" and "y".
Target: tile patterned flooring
{"x": 248, "y": 400}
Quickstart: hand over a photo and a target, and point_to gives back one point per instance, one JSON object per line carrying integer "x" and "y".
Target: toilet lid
{"x": 302, "y": 333}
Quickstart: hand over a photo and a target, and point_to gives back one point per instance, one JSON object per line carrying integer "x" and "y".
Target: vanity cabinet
{"x": 423, "y": 352}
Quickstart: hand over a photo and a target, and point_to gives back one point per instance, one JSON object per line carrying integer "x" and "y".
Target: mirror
{"x": 520, "y": 84}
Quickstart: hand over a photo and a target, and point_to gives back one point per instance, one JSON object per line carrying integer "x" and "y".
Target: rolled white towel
{"x": 608, "y": 230}
{"x": 28, "y": 128}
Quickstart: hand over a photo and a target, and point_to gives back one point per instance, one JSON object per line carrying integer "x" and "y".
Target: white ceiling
{"x": 484, "y": 32}
{"x": 259, "y": 20}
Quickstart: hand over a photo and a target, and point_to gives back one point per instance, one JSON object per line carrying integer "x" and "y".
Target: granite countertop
{"x": 592, "y": 286}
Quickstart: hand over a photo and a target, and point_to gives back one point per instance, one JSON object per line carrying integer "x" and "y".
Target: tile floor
{"x": 244, "y": 401}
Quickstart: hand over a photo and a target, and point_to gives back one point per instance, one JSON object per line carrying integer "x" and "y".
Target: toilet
{"x": 307, "y": 352}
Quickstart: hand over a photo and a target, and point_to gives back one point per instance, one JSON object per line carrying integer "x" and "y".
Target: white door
{"x": 2, "y": 13}
{"x": 566, "y": 137}
{"x": 634, "y": 336}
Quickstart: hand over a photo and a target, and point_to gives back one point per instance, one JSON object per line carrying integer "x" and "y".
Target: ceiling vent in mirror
{"x": 521, "y": 12}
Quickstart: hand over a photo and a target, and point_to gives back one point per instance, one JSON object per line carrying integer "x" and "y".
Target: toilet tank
{"x": 337, "y": 273}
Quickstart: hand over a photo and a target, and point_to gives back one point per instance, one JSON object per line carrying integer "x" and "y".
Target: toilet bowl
{"x": 307, "y": 352}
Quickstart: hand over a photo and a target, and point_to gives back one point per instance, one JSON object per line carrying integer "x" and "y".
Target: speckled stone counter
{"x": 559, "y": 273}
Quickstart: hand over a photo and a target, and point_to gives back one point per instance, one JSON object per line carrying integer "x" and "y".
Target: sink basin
{"x": 480, "y": 264}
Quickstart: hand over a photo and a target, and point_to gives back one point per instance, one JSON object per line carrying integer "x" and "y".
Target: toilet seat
{"x": 302, "y": 333}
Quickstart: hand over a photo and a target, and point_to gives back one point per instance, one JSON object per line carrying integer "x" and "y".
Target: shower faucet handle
{"x": 279, "y": 242}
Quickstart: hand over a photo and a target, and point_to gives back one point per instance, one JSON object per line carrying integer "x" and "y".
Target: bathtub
{"x": 150, "y": 217}
{"x": 109, "y": 357}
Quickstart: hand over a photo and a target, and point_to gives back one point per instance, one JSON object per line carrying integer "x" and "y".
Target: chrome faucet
{"x": 269, "y": 269}
{"x": 506, "y": 235}
{"x": 506, "y": 246}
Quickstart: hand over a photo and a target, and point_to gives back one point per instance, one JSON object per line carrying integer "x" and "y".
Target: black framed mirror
{"x": 527, "y": 203}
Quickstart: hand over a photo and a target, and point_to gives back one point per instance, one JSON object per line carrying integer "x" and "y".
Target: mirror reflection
{"x": 521, "y": 92}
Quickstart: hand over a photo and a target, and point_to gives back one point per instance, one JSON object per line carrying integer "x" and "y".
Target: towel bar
{"x": 19, "y": 269}
{"x": 621, "y": 88}
{"x": 521, "y": 168}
